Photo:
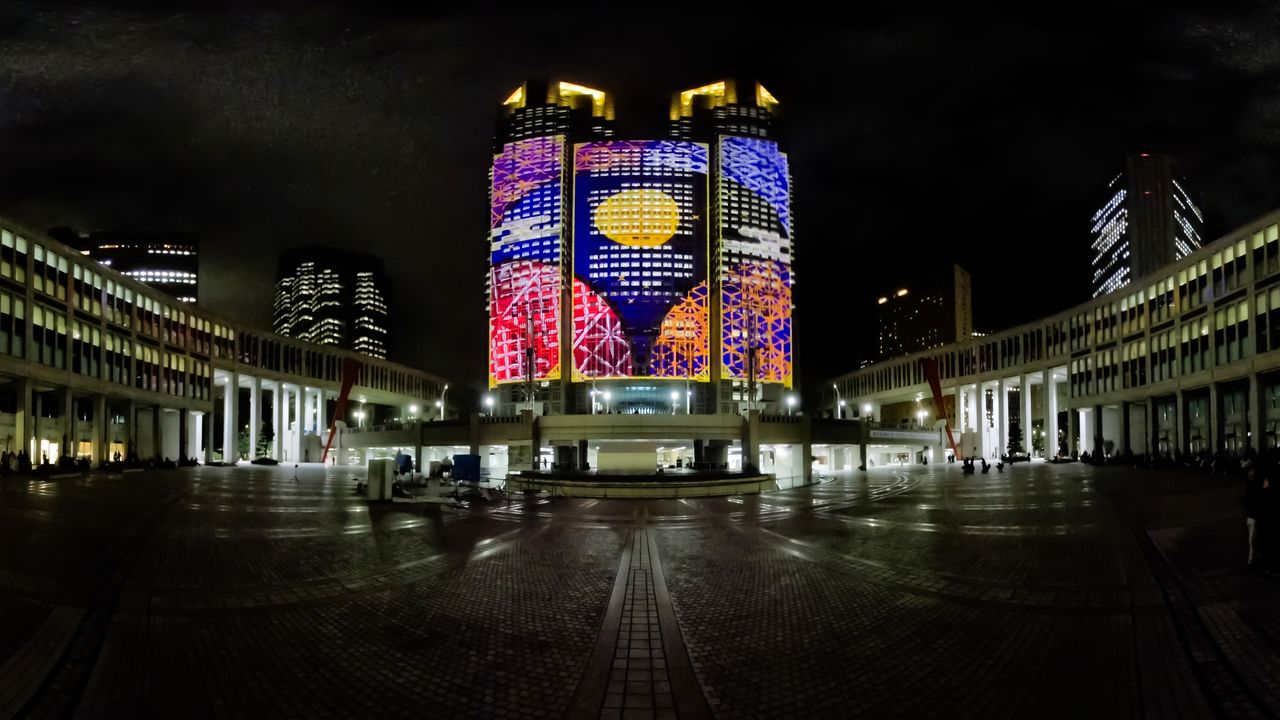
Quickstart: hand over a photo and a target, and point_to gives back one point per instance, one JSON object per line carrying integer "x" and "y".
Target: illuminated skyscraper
{"x": 1148, "y": 221}
{"x": 167, "y": 261}
{"x": 333, "y": 297}
{"x": 932, "y": 308}
{"x": 646, "y": 260}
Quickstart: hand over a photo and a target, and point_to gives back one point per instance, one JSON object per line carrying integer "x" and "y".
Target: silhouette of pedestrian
{"x": 295, "y": 472}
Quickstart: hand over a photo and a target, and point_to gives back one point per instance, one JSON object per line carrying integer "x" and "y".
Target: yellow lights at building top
{"x": 901, "y": 292}
{"x": 715, "y": 90}
{"x": 561, "y": 93}
{"x": 765, "y": 99}
{"x": 599, "y": 99}
{"x": 723, "y": 92}
{"x": 882, "y": 301}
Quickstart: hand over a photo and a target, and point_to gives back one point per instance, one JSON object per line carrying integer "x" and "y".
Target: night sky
{"x": 980, "y": 136}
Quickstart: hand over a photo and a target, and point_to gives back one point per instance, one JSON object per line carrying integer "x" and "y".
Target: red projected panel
{"x": 525, "y": 233}
{"x": 524, "y": 307}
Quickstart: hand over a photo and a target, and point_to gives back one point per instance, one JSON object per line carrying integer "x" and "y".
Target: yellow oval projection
{"x": 641, "y": 218}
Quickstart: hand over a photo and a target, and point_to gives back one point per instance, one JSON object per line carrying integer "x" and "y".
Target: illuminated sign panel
{"x": 640, "y": 260}
{"x": 754, "y": 200}
{"x": 525, "y": 229}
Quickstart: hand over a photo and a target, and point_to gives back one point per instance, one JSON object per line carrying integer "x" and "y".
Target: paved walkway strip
{"x": 639, "y": 667}
{"x": 589, "y": 696}
{"x": 23, "y": 673}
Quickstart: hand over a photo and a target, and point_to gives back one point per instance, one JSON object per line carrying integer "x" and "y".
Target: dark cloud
{"x": 971, "y": 134}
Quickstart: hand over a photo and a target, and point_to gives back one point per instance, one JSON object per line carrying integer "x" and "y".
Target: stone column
{"x": 1050, "y": 414}
{"x": 278, "y": 412}
{"x": 231, "y": 420}
{"x": 1153, "y": 446}
{"x": 864, "y": 434}
{"x": 1002, "y": 418}
{"x": 68, "y": 424}
{"x": 184, "y": 428}
{"x": 1126, "y": 428}
{"x": 976, "y": 425}
{"x": 309, "y": 424}
{"x": 102, "y": 432}
{"x": 1099, "y": 444}
{"x": 1214, "y": 431}
{"x": 1179, "y": 412}
{"x": 131, "y": 430}
{"x": 255, "y": 414}
{"x": 157, "y": 438}
{"x": 1073, "y": 430}
{"x": 1028, "y": 441}
{"x": 298, "y": 422}
{"x": 751, "y": 442}
{"x": 25, "y": 421}
{"x": 1257, "y": 410}
{"x": 208, "y": 433}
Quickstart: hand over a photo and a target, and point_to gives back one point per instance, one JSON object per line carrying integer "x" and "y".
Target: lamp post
{"x": 674, "y": 397}
{"x": 841, "y": 415}
{"x": 488, "y": 403}
{"x": 688, "y": 401}
{"x": 866, "y": 410}
{"x": 440, "y": 405}
{"x": 359, "y": 418}
{"x": 791, "y": 404}
{"x": 440, "y": 402}
{"x": 606, "y": 401}
{"x": 593, "y": 401}
{"x": 413, "y": 412}
{"x": 839, "y": 402}
{"x": 920, "y": 415}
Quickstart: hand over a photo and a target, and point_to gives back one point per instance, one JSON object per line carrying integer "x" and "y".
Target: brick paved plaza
{"x": 1045, "y": 591}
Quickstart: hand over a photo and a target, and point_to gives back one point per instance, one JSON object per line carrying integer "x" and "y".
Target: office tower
{"x": 333, "y": 297}
{"x": 1149, "y": 220}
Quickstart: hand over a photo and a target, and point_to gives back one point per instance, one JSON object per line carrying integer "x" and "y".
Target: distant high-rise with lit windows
{"x": 932, "y": 306}
{"x": 168, "y": 261}
{"x": 333, "y": 297}
{"x": 1148, "y": 220}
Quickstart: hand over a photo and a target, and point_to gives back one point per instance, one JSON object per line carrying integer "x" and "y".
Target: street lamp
{"x": 607, "y": 395}
{"x": 360, "y": 418}
{"x": 593, "y": 401}
{"x": 791, "y": 404}
{"x": 839, "y": 402}
{"x": 440, "y": 405}
{"x": 920, "y": 416}
{"x": 841, "y": 415}
{"x": 688, "y": 401}
{"x": 440, "y": 402}
{"x": 488, "y": 403}
{"x": 674, "y": 397}
{"x": 866, "y": 410}
{"x": 413, "y": 412}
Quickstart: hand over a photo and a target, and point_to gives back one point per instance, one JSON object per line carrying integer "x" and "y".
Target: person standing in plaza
{"x": 1255, "y": 501}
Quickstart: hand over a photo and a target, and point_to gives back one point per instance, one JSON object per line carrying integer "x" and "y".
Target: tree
{"x": 1015, "y": 438}
{"x": 265, "y": 436}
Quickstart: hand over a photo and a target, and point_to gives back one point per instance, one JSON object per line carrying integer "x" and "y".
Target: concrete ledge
{"x": 644, "y": 489}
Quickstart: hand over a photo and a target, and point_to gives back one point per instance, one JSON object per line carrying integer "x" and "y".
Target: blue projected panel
{"x": 754, "y": 197}
{"x": 640, "y": 260}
